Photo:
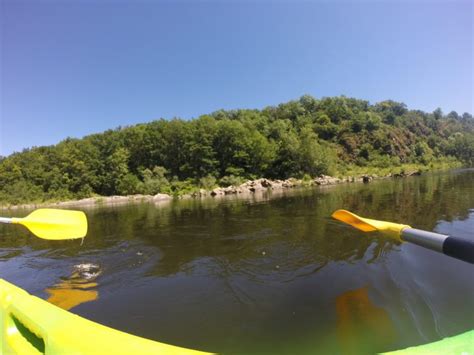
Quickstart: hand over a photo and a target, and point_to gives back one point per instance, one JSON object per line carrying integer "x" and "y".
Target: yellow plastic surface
{"x": 55, "y": 224}
{"x": 369, "y": 225}
{"x": 462, "y": 344}
{"x": 30, "y": 325}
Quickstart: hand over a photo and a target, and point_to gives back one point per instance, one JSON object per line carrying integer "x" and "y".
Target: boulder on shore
{"x": 326, "y": 180}
{"x": 217, "y": 191}
{"x": 161, "y": 197}
{"x": 366, "y": 179}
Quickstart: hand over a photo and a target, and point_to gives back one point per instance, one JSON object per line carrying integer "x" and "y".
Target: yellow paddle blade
{"x": 48, "y": 223}
{"x": 369, "y": 225}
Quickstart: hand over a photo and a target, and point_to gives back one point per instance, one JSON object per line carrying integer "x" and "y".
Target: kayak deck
{"x": 456, "y": 345}
{"x": 30, "y": 325}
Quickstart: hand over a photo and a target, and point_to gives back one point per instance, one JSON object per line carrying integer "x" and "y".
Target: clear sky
{"x": 70, "y": 68}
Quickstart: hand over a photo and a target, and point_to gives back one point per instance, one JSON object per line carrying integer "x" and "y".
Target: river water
{"x": 265, "y": 274}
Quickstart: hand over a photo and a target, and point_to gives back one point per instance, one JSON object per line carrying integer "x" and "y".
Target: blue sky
{"x": 71, "y": 68}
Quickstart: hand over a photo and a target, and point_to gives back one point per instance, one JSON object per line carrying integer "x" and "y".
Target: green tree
{"x": 313, "y": 159}
{"x": 199, "y": 149}
{"x": 453, "y": 115}
{"x": 155, "y": 181}
{"x": 128, "y": 184}
{"x": 461, "y": 146}
{"x": 438, "y": 114}
{"x": 117, "y": 169}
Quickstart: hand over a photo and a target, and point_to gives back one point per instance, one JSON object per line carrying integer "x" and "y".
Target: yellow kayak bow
{"x": 29, "y": 325}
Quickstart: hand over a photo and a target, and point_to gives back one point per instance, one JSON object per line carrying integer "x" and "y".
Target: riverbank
{"x": 247, "y": 188}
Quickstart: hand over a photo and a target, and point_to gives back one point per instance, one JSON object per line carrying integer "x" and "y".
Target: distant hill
{"x": 308, "y": 136}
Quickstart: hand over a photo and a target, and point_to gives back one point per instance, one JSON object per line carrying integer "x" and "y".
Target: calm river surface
{"x": 273, "y": 274}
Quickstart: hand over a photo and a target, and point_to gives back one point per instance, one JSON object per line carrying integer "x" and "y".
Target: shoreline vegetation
{"x": 300, "y": 140}
{"x": 250, "y": 187}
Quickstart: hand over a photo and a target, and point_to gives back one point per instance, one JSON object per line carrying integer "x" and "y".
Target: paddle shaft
{"x": 5, "y": 220}
{"x": 459, "y": 248}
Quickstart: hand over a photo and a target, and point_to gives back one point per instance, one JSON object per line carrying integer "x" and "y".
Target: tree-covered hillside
{"x": 303, "y": 137}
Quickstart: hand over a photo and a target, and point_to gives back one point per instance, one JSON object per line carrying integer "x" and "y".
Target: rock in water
{"x": 86, "y": 271}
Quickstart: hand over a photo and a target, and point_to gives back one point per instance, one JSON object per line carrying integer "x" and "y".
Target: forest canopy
{"x": 305, "y": 137}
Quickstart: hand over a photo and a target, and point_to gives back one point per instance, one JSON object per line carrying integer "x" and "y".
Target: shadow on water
{"x": 270, "y": 273}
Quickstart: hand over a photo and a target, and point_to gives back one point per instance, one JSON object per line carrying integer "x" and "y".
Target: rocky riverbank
{"x": 248, "y": 187}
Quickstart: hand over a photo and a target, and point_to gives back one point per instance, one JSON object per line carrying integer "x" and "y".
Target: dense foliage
{"x": 303, "y": 137}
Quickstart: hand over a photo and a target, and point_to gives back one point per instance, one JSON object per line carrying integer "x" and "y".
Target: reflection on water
{"x": 67, "y": 295}
{"x": 76, "y": 289}
{"x": 271, "y": 273}
{"x": 362, "y": 327}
